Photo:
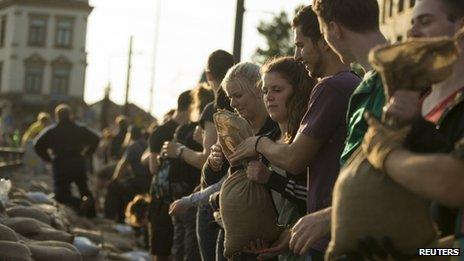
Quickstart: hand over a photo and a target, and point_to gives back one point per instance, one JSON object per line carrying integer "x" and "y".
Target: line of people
{"x": 310, "y": 115}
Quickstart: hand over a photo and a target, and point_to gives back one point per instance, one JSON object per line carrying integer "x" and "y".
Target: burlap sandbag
{"x": 23, "y": 225}
{"x": 13, "y": 251}
{"x": 246, "y": 208}
{"x": 53, "y": 234}
{"x": 7, "y": 234}
{"x": 368, "y": 203}
{"x": 34, "y": 229}
{"x": 93, "y": 235}
{"x": 53, "y": 250}
{"x": 31, "y": 212}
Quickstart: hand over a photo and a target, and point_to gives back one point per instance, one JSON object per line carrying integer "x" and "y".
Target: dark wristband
{"x": 256, "y": 144}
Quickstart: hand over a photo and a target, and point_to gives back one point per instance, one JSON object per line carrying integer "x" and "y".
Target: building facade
{"x": 42, "y": 54}
{"x": 395, "y": 18}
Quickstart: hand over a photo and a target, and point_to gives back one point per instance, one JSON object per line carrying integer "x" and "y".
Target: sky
{"x": 188, "y": 32}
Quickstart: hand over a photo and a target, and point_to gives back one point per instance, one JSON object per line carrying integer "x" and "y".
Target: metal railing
{"x": 10, "y": 158}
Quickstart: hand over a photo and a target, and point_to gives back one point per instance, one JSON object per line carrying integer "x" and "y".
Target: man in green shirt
{"x": 352, "y": 29}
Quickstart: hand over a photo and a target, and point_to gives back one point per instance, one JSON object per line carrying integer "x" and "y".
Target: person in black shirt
{"x": 160, "y": 224}
{"x": 69, "y": 144}
{"x": 116, "y": 148}
{"x": 218, "y": 63}
{"x": 122, "y": 188}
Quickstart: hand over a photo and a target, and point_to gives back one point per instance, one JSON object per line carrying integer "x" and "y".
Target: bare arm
{"x": 438, "y": 177}
{"x": 153, "y": 163}
{"x": 198, "y": 158}
{"x": 120, "y": 168}
{"x": 145, "y": 157}
{"x": 292, "y": 157}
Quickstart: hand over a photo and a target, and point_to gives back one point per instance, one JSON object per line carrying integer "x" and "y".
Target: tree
{"x": 278, "y": 35}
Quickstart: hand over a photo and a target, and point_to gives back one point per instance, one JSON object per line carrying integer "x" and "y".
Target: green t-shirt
{"x": 368, "y": 96}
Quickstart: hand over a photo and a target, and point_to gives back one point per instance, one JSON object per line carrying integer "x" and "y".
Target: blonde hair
{"x": 246, "y": 75}
{"x": 43, "y": 116}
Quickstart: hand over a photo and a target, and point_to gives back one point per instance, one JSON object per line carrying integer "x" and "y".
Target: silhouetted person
{"x": 66, "y": 144}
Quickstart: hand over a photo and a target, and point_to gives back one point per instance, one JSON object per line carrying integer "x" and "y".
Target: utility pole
{"x": 155, "y": 48}
{"x": 129, "y": 65}
{"x": 238, "y": 30}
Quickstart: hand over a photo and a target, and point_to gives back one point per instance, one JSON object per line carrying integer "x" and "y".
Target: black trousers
{"x": 68, "y": 170}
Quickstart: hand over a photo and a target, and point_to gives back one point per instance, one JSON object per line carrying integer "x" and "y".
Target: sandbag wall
{"x": 33, "y": 226}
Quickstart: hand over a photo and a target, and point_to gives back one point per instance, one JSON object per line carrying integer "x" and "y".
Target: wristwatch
{"x": 179, "y": 150}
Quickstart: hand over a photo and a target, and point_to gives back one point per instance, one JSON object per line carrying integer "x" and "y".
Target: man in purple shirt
{"x": 320, "y": 139}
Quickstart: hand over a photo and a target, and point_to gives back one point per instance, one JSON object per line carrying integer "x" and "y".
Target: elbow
{"x": 296, "y": 167}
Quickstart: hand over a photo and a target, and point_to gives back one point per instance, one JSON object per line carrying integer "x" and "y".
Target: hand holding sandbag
{"x": 247, "y": 209}
{"x": 380, "y": 140}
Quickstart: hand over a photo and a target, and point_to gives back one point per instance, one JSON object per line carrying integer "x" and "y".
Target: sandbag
{"x": 22, "y": 211}
{"x": 366, "y": 201}
{"x": 39, "y": 197}
{"x": 86, "y": 247}
{"x": 24, "y": 226}
{"x": 52, "y": 234}
{"x": 22, "y": 202}
{"x": 137, "y": 256}
{"x": 36, "y": 230}
{"x": 54, "y": 244}
{"x": 247, "y": 209}
{"x": 53, "y": 251}
{"x": 7, "y": 234}
{"x": 94, "y": 236}
{"x": 121, "y": 243}
{"x": 14, "y": 251}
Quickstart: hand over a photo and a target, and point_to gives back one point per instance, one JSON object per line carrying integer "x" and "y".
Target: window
{"x": 61, "y": 74}
{"x": 399, "y": 38}
{"x": 33, "y": 74}
{"x": 33, "y": 81}
{"x": 400, "y": 6}
{"x": 390, "y": 8}
{"x": 384, "y": 10}
{"x": 37, "y": 30}
{"x": 60, "y": 81}
{"x": 2, "y": 30}
{"x": 63, "y": 32}
{"x": 412, "y": 3}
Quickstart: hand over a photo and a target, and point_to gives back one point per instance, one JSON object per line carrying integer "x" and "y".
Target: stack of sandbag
{"x": 39, "y": 228}
{"x": 366, "y": 201}
{"x": 247, "y": 209}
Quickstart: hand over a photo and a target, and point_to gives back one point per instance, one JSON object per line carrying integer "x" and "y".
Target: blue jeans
{"x": 185, "y": 246}
{"x": 206, "y": 236}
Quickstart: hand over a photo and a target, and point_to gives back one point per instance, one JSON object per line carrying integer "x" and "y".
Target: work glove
{"x": 380, "y": 140}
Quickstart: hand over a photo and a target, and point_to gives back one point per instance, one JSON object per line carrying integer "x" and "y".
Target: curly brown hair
{"x": 297, "y": 76}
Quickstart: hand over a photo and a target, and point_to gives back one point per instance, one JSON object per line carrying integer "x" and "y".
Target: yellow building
{"x": 395, "y": 18}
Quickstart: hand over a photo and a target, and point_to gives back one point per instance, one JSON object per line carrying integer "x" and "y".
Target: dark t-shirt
{"x": 183, "y": 176}
{"x": 163, "y": 133}
{"x": 207, "y": 114}
{"x": 325, "y": 121}
{"x": 133, "y": 154}
{"x": 116, "y": 144}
